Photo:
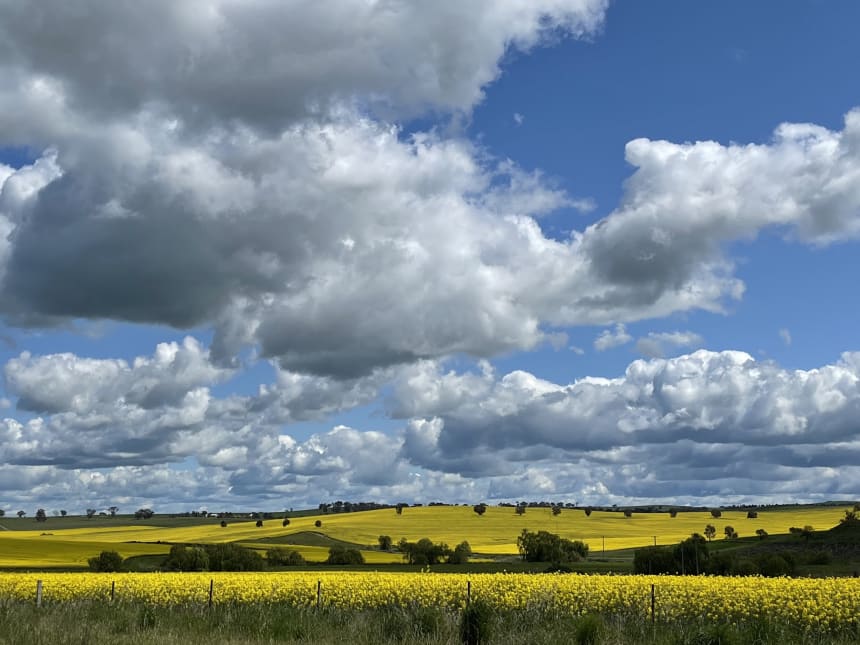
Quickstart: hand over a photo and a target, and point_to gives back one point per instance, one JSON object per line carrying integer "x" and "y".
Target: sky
{"x": 272, "y": 254}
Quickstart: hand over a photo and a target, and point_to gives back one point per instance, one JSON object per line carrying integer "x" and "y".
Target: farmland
{"x": 378, "y": 604}
{"x": 28, "y": 544}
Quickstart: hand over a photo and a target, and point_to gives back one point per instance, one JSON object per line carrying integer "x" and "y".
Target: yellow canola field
{"x": 819, "y": 604}
{"x": 494, "y": 533}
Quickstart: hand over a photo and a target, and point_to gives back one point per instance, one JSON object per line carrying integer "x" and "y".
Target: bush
{"x": 106, "y": 562}
{"x": 716, "y": 513}
{"x": 318, "y": 523}
{"x": 385, "y": 542}
{"x": 342, "y": 555}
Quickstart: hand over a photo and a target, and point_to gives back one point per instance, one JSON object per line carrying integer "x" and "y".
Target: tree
{"x": 691, "y": 555}
{"x": 673, "y": 513}
{"x": 715, "y": 513}
{"x": 761, "y": 533}
{"x": 2, "y": 513}
{"x": 21, "y": 514}
{"x": 520, "y": 509}
{"x": 91, "y": 512}
{"x": 424, "y": 551}
{"x": 399, "y": 509}
{"x": 106, "y": 562}
{"x": 143, "y": 514}
{"x": 63, "y": 513}
{"x": 628, "y": 513}
{"x": 318, "y": 523}
{"x": 588, "y": 510}
{"x": 385, "y": 542}
{"x": 280, "y": 557}
{"x": 223, "y": 524}
{"x": 113, "y": 510}
{"x": 751, "y": 515}
{"x": 556, "y": 510}
{"x": 807, "y": 532}
{"x": 654, "y": 560}
{"x": 182, "y": 558}
{"x": 286, "y": 522}
{"x": 342, "y": 555}
{"x": 730, "y": 532}
{"x": 259, "y": 523}
{"x": 544, "y": 546}
{"x": 710, "y": 532}
{"x": 480, "y": 509}
{"x": 460, "y": 554}
{"x": 850, "y": 517}
{"x": 41, "y": 516}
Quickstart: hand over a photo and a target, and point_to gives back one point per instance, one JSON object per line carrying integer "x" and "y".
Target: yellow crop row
{"x": 819, "y": 604}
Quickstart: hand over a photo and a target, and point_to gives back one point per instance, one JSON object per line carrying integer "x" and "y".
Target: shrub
{"x": 716, "y": 512}
{"x": 286, "y": 522}
{"x": 751, "y": 515}
{"x": 106, "y": 562}
{"x": 318, "y": 523}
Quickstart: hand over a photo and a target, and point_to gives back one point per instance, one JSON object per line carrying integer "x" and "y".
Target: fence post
{"x": 112, "y": 590}
{"x": 468, "y": 592}
{"x": 38, "y": 593}
{"x": 319, "y": 593}
{"x": 211, "y": 590}
{"x": 652, "y": 603}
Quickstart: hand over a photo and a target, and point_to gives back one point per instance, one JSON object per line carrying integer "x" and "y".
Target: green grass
{"x": 104, "y": 623}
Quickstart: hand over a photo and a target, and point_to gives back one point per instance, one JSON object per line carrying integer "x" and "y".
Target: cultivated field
{"x": 27, "y": 543}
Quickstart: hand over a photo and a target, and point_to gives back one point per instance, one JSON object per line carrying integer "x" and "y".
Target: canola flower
{"x": 811, "y": 604}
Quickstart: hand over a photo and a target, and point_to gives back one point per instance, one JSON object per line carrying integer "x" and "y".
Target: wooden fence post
{"x": 38, "y": 593}
{"x": 112, "y": 590}
{"x": 211, "y": 590}
{"x": 652, "y": 603}
{"x": 468, "y": 592}
{"x": 319, "y": 593}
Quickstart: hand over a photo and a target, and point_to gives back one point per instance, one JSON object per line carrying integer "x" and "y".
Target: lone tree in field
{"x": 399, "y": 509}
{"x": 673, "y": 513}
{"x": 730, "y": 532}
{"x": 716, "y": 513}
{"x": 480, "y": 509}
{"x": 752, "y": 515}
{"x": 41, "y": 516}
{"x": 710, "y": 532}
{"x": 286, "y": 522}
{"x": 556, "y": 510}
{"x": 520, "y": 509}
{"x": 628, "y": 513}
{"x": 91, "y": 513}
{"x": 588, "y": 510}
{"x": 385, "y": 543}
{"x": 21, "y": 514}
{"x": 318, "y": 523}
{"x": 762, "y": 534}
